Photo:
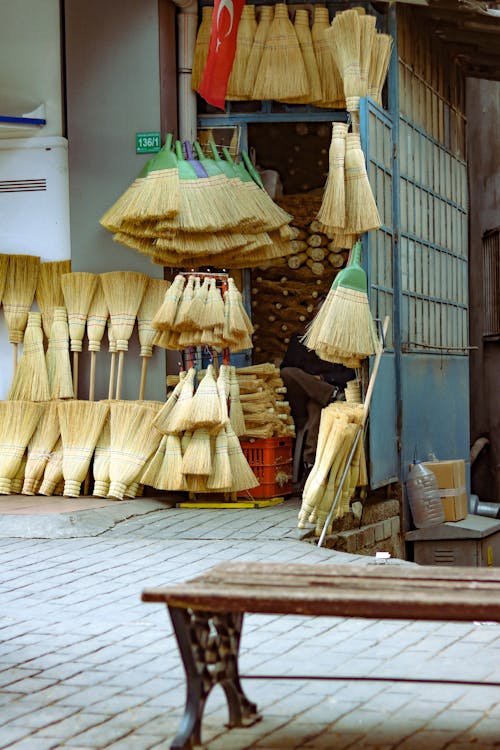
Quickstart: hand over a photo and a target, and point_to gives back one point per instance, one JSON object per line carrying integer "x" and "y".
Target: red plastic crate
{"x": 271, "y": 460}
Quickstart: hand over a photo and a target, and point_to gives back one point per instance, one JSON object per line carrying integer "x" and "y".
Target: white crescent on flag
{"x": 228, "y": 5}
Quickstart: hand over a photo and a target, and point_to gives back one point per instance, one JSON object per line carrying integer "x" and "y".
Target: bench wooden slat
{"x": 375, "y": 591}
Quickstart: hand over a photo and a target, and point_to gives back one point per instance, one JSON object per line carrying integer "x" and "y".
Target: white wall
{"x": 30, "y": 60}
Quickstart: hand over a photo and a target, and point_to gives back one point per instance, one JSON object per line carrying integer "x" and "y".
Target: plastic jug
{"x": 423, "y": 495}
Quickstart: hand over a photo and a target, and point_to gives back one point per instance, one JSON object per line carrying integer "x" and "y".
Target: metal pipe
{"x": 187, "y": 24}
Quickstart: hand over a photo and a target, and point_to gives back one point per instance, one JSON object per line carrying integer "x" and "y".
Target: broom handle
{"x": 92, "y": 376}
{"x": 144, "y": 370}
{"x": 75, "y": 374}
{"x": 112, "y": 369}
{"x": 371, "y": 384}
{"x": 119, "y": 379}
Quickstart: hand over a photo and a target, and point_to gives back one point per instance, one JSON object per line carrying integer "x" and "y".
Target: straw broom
{"x": 18, "y": 295}
{"x": 344, "y": 445}
{"x": 332, "y": 210}
{"x": 282, "y": 74}
{"x": 235, "y": 410}
{"x": 361, "y": 209}
{"x": 198, "y": 456}
{"x": 18, "y": 421}
{"x": 158, "y": 194}
{"x": 48, "y": 292}
{"x": 163, "y": 319}
{"x": 368, "y": 33}
{"x": 247, "y": 27}
{"x": 343, "y": 37}
{"x": 57, "y": 357}
{"x": 195, "y": 314}
{"x": 4, "y": 265}
{"x": 170, "y": 477}
{"x": 30, "y": 381}
{"x": 124, "y": 291}
{"x": 81, "y": 424}
{"x": 133, "y": 441}
{"x": 180, "y": 323}
{"x": 379, "y": 65}
{"x": 201, "y": 47}
{"x": 18, "y": 480}
{"x": 160, "y": 421}
{"x": 178, "y": 419}
{"x": 214, "y": 308}
{"x": 53, "y": 473}
{"x": 301, "y": 25}
{"x": 220, "y": 479}
{"x": 205, "y": 406}
{"x": 153, "y": 297}
{"x": 258, "y": 45}
{"x": 100, "y": 463}
{"x": 331, "y": 82}
{"x": 40, "y": 447}
{"x": 97, "y": 319}
{"x": 78, "y": 290}
{"x": 242, "y": 476}
{"x": 152, "y": 467}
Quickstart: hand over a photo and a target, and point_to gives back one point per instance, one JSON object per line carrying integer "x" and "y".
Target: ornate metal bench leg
{"x": 209, "y": 645}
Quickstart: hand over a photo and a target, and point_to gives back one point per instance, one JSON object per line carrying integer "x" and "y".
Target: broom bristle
{"x": 4, "y": 265}
{"x": 348, "y": 326}
{"x": 205, "y": 405}
{"x": 30, "y": 381}
{"x": 152, "y": 467}
{"x": 124, "y": 291}
{"x": 153, "y": 297}
{"x": 201, "y": 47}
{"x": 361, "y": 209}
{"x": 19, "y": 293}
{"x": 195, "y": 314}
{"x": 343, "y": 36}
{"x": 48, "y": 290}
{"x": 197, "y": 458}
{"x": 179, "y": 416}
{"x": 53, "y": 474}
{"x": 282, "y": 73}
{"x": 242, "y": 476}
{"x": 170, "y": 477}
{"x": 57, "y": 357}
{"x": 367, "y": 36}
{"x": 163, "y": 320}
{"x": 331, "y": 81}
{"x": 18, "y": 421}
{"x": 18, "y": 479}
{"x": 133, "y": 441}
{"x": 301, "y": 25}
{"x": 180, "y": 322}
{"x": 220, "y": 478}
{"x": 40, "y": 447}
{"x": 100, "y": 464}
{"x": 97, "y": 318}
{"x": 379, "y": 65}
{"x": 235, "y": 409}
{"x": 332, "y": 211}
{"x": 247, "y": 28}
{"x": 81, "y": 424}
{"x": 78, "y": 289}
{"x": 258, "y": 45}
{"x": 161, "y": 420}
{"x": 214, "y": 308}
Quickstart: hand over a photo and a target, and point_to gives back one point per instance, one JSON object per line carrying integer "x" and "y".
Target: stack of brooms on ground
{"x": 292, "y": 62}
{"x": 189, "y": 211}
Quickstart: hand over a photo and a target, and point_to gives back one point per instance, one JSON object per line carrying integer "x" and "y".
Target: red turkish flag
{"x": 221, "y": 51}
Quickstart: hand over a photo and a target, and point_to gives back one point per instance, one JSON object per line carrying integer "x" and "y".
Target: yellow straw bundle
{"x": 180, "y": 323}
{"x": 81, "y": 424}
{"x": 344, "y": 39}
{"x": 235, "y": 410}
{"x": 258, "y": 45}
{"x": 197, "y": 458}
{"x": 201, "y": 47}
{"x": 282, "y": 74}
{"x": 332, "y": 211}
{"x": 220, "y": 479}
{"x": 153, "y": 297}
{"x": 18, "y": 480}
{"x": 170, "y": 477}
{"x": 301, "y": 25}
{"x": 30, "y": 381}
{"x": 242, "y": 476}
{"x": 247, "y": 27}
{"x": 4, "y": 265}
{"x": 164, "y": 318}
{"x": 18, "y": 421}
{"x": 161, "y": 419}
{"x": 57, "y": 357}
{"x": 18, "y": 295}
{"x": 361, "y": 209}
{"x": 368, "y": 33}
{"x": 178, "y": 419}
{"x": 152, "y": 467}
{"x": 53, "y": 473}
{"x": 49, "y": 291}
{"x": 331, "y": 82}
{"x": 40, "y": 447}
{"x": 78, "y": 290}
{"x": 100, "y": 464}
{"x": 205, "y": 406}
{"x": 133, "y": 441}
{"x": 379, "y": 65}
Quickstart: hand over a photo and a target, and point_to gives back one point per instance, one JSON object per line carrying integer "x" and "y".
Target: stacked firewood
{"x": 285, "y": 294}
{"x": 263, "y": 401}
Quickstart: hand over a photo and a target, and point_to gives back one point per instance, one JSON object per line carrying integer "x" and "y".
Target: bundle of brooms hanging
{"x": 18, "y": 296}
{"x": 18, "y": 421}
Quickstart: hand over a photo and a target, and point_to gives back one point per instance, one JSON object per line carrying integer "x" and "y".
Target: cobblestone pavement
{"x": 84, "y": 664}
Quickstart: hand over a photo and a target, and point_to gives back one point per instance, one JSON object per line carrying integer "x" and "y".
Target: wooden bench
{"x": 207, "y": 614}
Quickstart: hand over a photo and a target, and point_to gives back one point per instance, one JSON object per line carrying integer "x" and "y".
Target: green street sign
{"x": 147, "y": 143}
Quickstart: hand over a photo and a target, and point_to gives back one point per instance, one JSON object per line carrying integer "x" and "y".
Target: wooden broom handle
{"x": 112, "y": 369}
{"x": 119, "y": 378}
{"x": 144, "y": 370}
{"x": 75, "y": 374}
{"x": 92, "y": 376}
{"x": 376, "y": 364}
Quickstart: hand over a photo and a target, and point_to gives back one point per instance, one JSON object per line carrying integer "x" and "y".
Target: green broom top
{"x": 164, "y": 159}
{"x": 225, "y": 166}
{"x": 210, "y": 166}
{"x": 185, "y": 169}
{"x": 251, "y": 170}
{"x": 353, "y": 275}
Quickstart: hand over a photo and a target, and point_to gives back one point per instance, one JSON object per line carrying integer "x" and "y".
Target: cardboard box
{"x": 450, "y": 477}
